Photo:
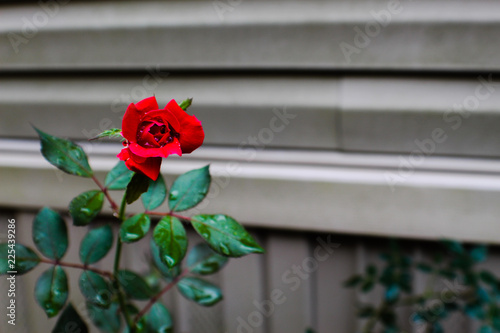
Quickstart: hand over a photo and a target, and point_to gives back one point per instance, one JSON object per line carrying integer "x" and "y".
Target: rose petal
{"x": 191, "y": 132}
{"x": 147, "y": 104}
{"x": 130, "y": 122}
{"x": 148, "y": 166}
{"x": 169, "y": 149}
{"x": 163, "y": 117}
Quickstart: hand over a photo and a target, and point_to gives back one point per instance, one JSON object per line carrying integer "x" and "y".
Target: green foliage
{"x": 171, "y": 238}
{"x": 25, "y": 258}
{"x": 64, "y": 154}
{"x": 199, "y": 291}
{"x": 96, "y": 244}
{"x": 119, "y": 177}
{"x": 476, "y": 294}
{"x": 110, "y": 293}
{"x": 137, "y": 186}
{"x": 134, "y": 285}
{"x": 95, "y": 289}
{"x": 134, "y": 228}
{"x": 70, "y": 321}
{"x": 225, "y": 235}
{"x": 186, "y": 103}
{"x": 110, "y": 133}
{"x": 85, "y": 207}
{"x": 158, "y": 320}
{"x": 155, "y": 195}
{"x": 107, "y": 320}
{"x": 203, "y": 260}
{"x": 50, "y": 233}
{"x": 51, "y": 290}
{"x": 189, "y": 189}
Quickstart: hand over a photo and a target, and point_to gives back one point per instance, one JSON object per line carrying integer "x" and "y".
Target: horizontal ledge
{"x": 261, "y": 35}
{"x": 301, "y": 190}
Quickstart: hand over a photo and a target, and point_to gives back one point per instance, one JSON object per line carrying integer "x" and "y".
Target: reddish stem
{"x": 79, "y": 266}
{"x": 156, "y": 297}
{"x": 182, "y": 217}
{"x": 113, "y": 204}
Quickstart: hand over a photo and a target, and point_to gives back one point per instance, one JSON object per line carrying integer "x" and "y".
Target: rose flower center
{"x": 154, "y": 135}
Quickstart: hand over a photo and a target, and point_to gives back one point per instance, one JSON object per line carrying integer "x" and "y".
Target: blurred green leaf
{"x": 85, "y": 207}
{"x": 170, "y": 236}
{"x": 137, "y": 186}
{"x": 70, "y": 321}
{"x": 119, "y": 177}
{"x": 96, "y": 244}
{"x": 392, "y": 293}
{"x": 203, "y": 260}
{"x": 158, "y": 320}
{"x": 134, "y": 285}
{"x": 424, "y": 267}
{"x": 189, "y": 189}
{"x": 134, "y": 228}
{"x": 50, "y": 233}
{"x": 64, "y": 154}
{"x": 199, "y": 291}
{"x": 160, "y": 265}
{"x": 479, "y": 253}
{"x": 353, "y": 281}
{"x": 26, "y": 259}
{"x": 107, "y": 320}
{"x": 51, "y": 290}
{"x": 453, "y": 246}
{"x": 95, "y": 289}
{"x": 225, "y": 235}
{"x": 156, "y": 194}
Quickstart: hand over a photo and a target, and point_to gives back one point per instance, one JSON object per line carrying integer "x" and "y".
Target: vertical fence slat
{"x": 335, "y": 306}
{"x": 288, "y": 283}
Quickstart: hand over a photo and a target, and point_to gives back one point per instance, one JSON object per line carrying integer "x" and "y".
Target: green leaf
{"x": 485, "y": 276}
{"x": 26, "y": 259}
{"x": 134, "y": 228}
{"x": 95, "y": 289}
{"x": 225, "y": 235}
{"x": 119, "y": 177}
{"x": 96, "y": 244}
{"x": 367, "y": 285}
{"x": 392, "y": 293}
{"x": 170, "y": 236}
{"x": 85, "y": 207}
{"x": 453, "y": 246}
{"x": 426, "y": 268}
{"x": 107, "y": 320}
{"x": 160, "y": 265}
{"x": 186, "y": 103}
{"x": 50, "y": 233}
{"x": 200, "y": 291}
{"x": 134, "y": 285}
{"x": 479, "y": 253}
{"x": 51, "y": 290}
{"x": 158, "y": 320}
{"x": 137, "y": 186}
{"x": 110, "y": 133}
{"x": 156, "y": 194}
{"x": 189, "y": 189}
{"x": 203, "y": 260}
{"x": 353, "y": 281}
{"x": 366, "y": 311}
{"x": 70, "y": 321}
{"x": 64, "y": 154}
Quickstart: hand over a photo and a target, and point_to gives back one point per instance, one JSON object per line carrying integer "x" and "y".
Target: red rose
{"x": 153, "y": 133}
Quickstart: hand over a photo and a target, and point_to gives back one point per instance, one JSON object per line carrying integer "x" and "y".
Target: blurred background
{"x": 330, "y": 126}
